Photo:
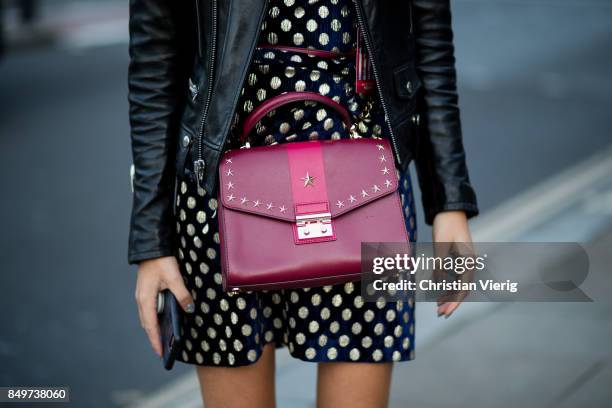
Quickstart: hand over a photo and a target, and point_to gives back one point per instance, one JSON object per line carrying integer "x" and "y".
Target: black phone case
{"x": 170, "y": 328}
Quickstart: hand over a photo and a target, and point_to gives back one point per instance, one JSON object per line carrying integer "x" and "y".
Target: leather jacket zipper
{"x": 366, "y": 36}
{"x": 199, "y": 164}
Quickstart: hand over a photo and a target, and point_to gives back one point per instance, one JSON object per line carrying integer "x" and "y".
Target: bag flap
{"x": 258, "y": 180}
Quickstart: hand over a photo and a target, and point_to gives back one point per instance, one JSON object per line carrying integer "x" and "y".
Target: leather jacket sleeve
{"x": 159, "y": 57}
{"x": 440, "y": 157}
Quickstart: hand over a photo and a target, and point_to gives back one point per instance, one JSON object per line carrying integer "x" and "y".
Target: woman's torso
{"x": 324, "y": 25}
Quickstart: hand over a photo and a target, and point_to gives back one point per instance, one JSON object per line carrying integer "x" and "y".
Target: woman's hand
{"x": 155, "y": 275}
{"x": 451, "y": 227}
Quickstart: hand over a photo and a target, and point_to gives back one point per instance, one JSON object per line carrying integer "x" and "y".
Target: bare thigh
{"x": 249, "y": 386}
{"x": 355, "y": 385}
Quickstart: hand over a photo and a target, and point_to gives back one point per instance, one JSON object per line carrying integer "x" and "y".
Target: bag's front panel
{"x": 259, "y": 252}
{"x": 263, "y": 198}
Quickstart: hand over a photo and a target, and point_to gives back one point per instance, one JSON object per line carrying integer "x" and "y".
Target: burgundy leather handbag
{"x": 295, "y": 214}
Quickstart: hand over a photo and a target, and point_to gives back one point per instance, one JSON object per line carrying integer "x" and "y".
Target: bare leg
{"x": 249, "y": 386}
{"x": 355, "y": 385}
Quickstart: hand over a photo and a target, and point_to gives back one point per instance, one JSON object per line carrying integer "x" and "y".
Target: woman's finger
{"x": 137, "y": 297}
{"x": 148, "y": 306}
{"x": 442, "y": 309}
{"x": 183, "y": 297}
{"x": 448, "y": 308}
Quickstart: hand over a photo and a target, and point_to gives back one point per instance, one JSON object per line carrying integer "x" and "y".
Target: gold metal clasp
{"x": 311, "y": 226}
{"x": 353, "y": 132}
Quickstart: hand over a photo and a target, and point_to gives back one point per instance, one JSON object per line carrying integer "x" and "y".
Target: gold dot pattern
{"x": 330, "y": 323}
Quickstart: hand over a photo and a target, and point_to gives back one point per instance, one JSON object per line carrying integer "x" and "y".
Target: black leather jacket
{"x": 188, "y": 62}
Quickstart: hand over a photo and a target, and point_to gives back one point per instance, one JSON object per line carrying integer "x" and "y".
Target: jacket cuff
{"x": 470, "y": 209}
{"x": 136, "y": 257}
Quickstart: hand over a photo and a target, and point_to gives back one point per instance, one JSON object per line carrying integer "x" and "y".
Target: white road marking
{"x": 543, "y": 201}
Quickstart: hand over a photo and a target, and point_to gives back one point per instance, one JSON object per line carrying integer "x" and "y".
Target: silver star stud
{"x": 269, "y": 206}
{"x": 387, "y": 183}
{"x": 243, "y": 200}
{"x": 230, "y": 185}
{"x": 308, "y": 180}
{"x": 282, "y": 208}
{"x": 340, "y": 204}
{"x": 228, "y": 161}
{"x": 364, "y": 193}
{"x": 375, "y": 189}
{"x": 229, "y": 172}
{"x": 380, "y": 147}
{"x": 383, "y": 158}
{"x": 352, "y": 199}
{"x": 256, "y": 203}
{"x": 385, "y": 170}
{"x": 230, "y": 197}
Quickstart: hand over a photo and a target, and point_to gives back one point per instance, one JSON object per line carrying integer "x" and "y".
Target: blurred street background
{"x": 536, "y": 97}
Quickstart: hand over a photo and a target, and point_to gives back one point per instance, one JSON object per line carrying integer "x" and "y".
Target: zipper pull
{"x": 198, "y": 169}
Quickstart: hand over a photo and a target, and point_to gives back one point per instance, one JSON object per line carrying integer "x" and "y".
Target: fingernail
{"x": 440, "y": 314}
{"x": 190, "y": 308}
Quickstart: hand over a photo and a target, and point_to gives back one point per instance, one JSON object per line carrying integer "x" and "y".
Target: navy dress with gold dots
{"x": 329, "y": 323}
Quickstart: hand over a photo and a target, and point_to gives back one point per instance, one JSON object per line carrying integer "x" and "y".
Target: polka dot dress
{"x": 329, "y": 323}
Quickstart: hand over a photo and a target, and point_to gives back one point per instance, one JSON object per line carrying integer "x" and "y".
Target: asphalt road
{"x": 536, "y": 97}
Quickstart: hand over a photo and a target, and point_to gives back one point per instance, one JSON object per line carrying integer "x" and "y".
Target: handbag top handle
{"x": 286, "y": 98}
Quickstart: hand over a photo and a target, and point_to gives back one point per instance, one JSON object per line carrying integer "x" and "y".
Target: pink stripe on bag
{"x": 308, "y": 188}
